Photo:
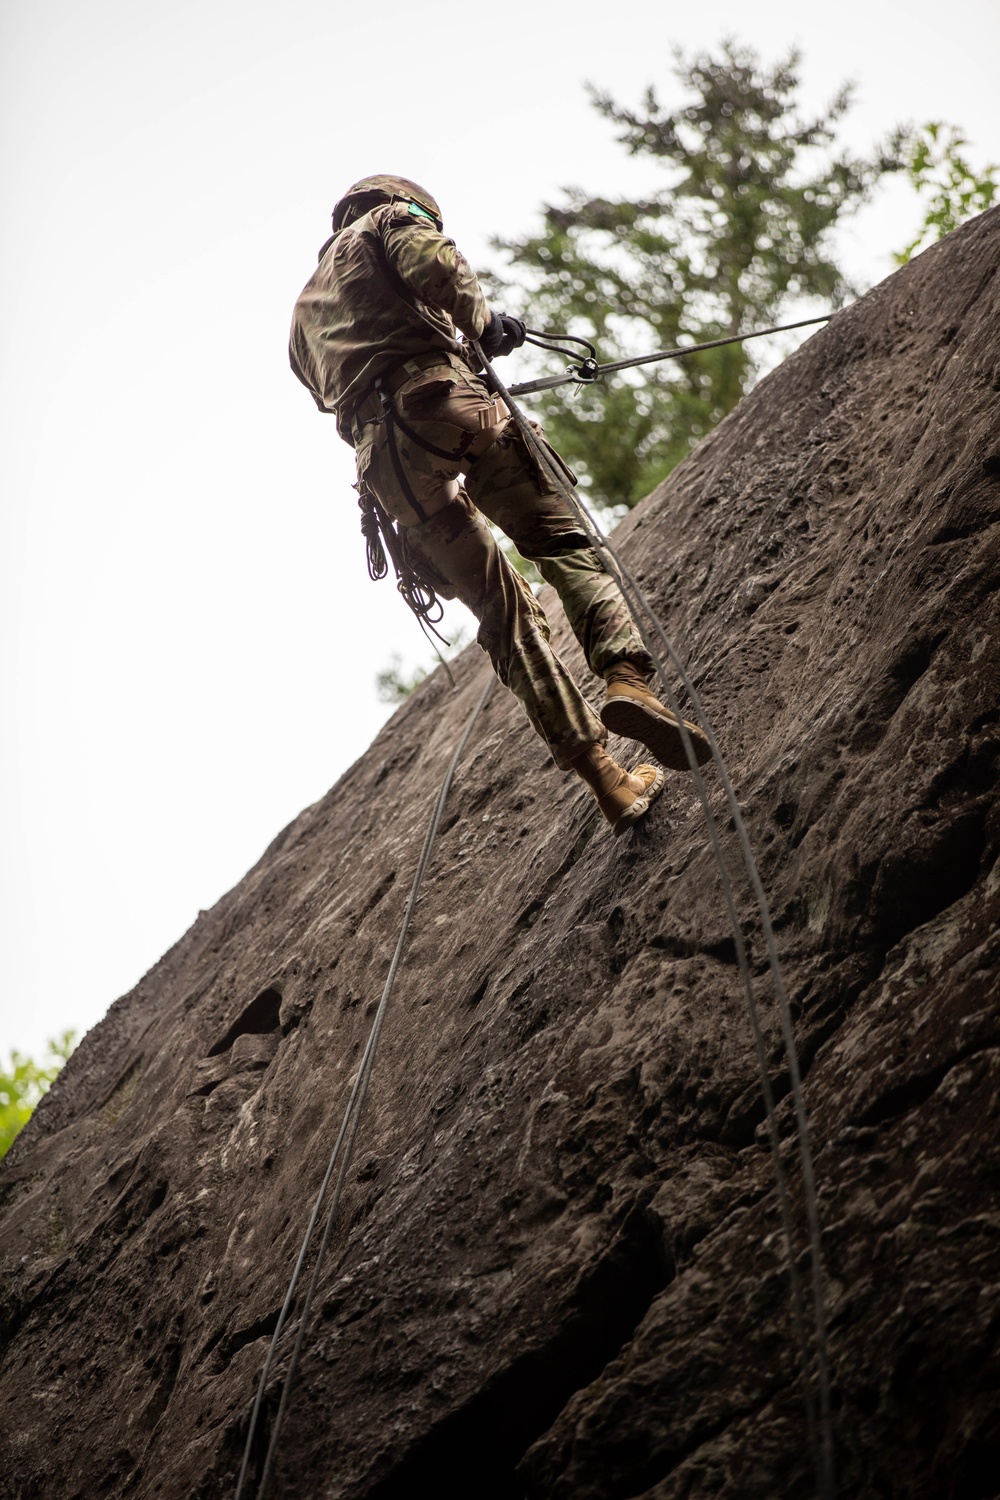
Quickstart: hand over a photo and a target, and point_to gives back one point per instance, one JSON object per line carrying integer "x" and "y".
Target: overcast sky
{"x": 190, "y": 637}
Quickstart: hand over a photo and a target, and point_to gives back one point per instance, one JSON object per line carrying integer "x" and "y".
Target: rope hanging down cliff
{"x": 343, "y": 1151}
{"x": 820, "y": 1424}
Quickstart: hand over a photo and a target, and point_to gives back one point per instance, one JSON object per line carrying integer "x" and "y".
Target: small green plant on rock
{"x": 24, "y": 1081}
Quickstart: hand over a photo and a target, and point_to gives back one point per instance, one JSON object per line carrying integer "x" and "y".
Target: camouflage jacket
{"x": 387, "y": 287}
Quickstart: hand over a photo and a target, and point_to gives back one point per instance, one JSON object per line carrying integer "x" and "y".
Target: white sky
{"x": 190, "y": 637}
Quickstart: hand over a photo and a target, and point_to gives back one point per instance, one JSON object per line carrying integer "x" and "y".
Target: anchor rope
{"x": 590, "y": 370}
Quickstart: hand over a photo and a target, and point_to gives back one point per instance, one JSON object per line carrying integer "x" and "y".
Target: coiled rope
{"x": 381, "y": 536}
{"x": 820, "y": 1424}
{"x": 343, "y": 1149}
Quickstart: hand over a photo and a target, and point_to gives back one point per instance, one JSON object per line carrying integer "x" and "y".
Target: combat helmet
{"x": 373, "y": 190}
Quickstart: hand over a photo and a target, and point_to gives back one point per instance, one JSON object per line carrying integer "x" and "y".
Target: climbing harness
{"x": 402, "y": 478}
{"x": 392, "y": 420}
{"x": 588, "y": 370}
{"x": 820, "y": 1424}
{"x": 381, "y": 536}
{"x": 343, "y": 1149}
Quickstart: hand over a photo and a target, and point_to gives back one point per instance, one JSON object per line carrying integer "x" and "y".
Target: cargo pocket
{"x": 429, "y": 386}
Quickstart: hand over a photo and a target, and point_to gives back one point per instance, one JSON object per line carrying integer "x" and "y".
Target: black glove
{"x": 501, "y": 335}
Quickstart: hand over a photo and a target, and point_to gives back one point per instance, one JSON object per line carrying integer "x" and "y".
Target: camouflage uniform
{"x": 384, "y": 305}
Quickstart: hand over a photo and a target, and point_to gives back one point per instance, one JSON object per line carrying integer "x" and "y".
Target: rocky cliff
{"x": 558, "y": 1272}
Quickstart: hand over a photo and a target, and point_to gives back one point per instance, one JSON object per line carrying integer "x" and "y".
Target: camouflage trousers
{"x": 454, "y": 412}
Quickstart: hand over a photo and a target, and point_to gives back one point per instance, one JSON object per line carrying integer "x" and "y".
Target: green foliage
{"x": 740, "y": 227}
{"x": 949, "y": 188}
{"x": 24, "y": 1082}
{"x": 393, "y": 685}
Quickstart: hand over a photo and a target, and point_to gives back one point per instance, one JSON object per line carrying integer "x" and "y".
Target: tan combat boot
{"x": 632, "y": 710}
{"x": 623, "y": 796}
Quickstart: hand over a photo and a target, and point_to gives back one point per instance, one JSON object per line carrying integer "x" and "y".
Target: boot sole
{"x": 639, "y": 808}
{"x": 662, "y": 736}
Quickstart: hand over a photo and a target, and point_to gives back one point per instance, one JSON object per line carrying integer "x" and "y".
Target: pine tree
{"x": 739, "y": 230}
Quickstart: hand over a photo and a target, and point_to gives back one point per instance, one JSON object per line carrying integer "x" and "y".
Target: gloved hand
{"x": 501, "y": 335}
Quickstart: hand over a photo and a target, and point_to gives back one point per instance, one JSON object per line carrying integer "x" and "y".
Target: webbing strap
{"x": 402, "y": 477}
{"x": 404, "y": 426}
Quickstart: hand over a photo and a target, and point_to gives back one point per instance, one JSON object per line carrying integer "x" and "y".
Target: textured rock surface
{"x": 558, "y": 1272}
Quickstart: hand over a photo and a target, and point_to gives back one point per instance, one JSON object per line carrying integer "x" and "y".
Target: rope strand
{"x": 344, "y": 1146}
{"x": 821, "y": 1430}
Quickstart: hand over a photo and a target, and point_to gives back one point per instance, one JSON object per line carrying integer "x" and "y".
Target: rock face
{"x": 558, "y": 1271}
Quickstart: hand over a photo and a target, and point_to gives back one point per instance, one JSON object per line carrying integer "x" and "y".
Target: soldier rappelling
{"x": 375, "y": 340}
